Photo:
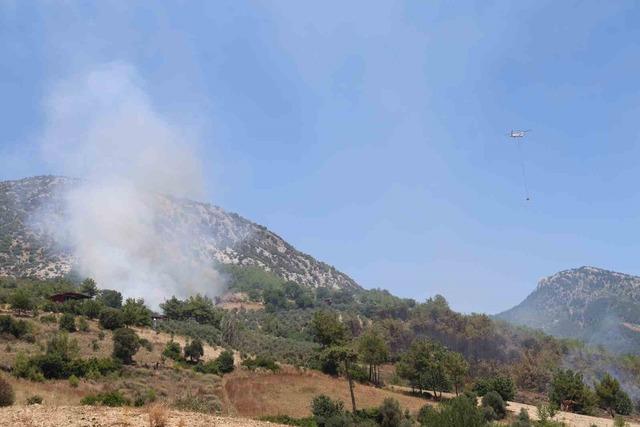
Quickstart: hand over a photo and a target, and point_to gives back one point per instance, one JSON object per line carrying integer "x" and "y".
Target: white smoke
{"x": 102, "y": 128}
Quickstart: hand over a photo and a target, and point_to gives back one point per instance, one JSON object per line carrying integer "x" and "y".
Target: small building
{"x": 68, "y": 296}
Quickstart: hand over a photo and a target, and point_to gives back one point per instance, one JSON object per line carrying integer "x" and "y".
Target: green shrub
{"x": 326, "y": 411}
{"x": 17, "y": 328}
{"x": 225, "y": 362}
{"x": 126, "y": 344}
{"x": 7, "y": 396}
{"x": 67, "y": 322}
{"x": 523, "y": 419}
{"x": 21, "y": 301}
{"x": 83, "y": 325}
{"x": 260, "y": 361}
{"x": 111, "y": 318}
{"x": 618, "y": 421}
{"x": 34, "y": 400}
{"x": 208, "y": 367}
{"x": 624, "y": 405}
{"x": 390, "y": 413}
{"x": 194, "y": 350}
{"x": 568, "y": 385}
{"x": 111, "y": 398}
{"x": 74, "y": 382}
{"x": 142, "y": 399}
{"x": 494, "y": 401}
{"x": 503, "y": 385}
{"x": 457, "y": 412}
{"x": 48, "y": 319}
{"x": 612, "y": 397}
{"x": 172, "y": 351}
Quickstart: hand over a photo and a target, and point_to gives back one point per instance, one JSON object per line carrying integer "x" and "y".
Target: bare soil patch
{"x": 90, "y": 416}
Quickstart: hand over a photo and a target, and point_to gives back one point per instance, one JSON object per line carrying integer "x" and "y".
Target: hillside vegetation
{"x": 357, "y": 339}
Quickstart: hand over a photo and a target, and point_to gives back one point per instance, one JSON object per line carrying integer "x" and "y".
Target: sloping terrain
{"x": 290, "y": 392}
{"x": 597, "y": 306}
{"x": 28, "y": 249}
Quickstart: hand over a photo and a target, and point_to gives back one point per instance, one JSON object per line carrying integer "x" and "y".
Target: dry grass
{"x": 290, "y": 392}
{"x": 95, "y": 416}
{"x": 158, "y": 415}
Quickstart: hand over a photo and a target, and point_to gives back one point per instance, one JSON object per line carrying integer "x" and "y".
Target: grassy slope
{"x": 242, "y": 393}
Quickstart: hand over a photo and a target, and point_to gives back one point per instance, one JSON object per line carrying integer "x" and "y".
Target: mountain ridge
{"x": 27, "y": 249}
{"x": 599, "y": 306}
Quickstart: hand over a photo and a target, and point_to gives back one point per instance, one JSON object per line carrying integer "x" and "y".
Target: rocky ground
{"x": 91, "y": 416}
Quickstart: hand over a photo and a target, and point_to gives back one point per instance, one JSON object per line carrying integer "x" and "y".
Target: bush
{"x": 21, "y": 301}
{"x": 209, "y": 367}
{"x": 390, "y": 413}
{"x": 457, "y": 412}
{"x": 112, "y": 319}
{"x": 501, "y": 384}
{"x": 172, "y": 351}
{"x": 523, "y": 419}
{"x": 136, "y": 313}
{"x": 34, "y": 400}
{"x": 7, "y": 396}
{"x": 568, "y": 385}
{"x": 143, "y": 398}
{"x": 325, "y": 411}
{"x": 17, "y": 328}
{"x": 225, "y": 362}
{"x": 623, "y": 406}
{"x": 111, "y": 398}
{"x": 261, "y": 362}
{"x": 74, "y": 382}
{"x": 146, "y": 344}
{"x": 194, "y": 350}
{"x": 67, "y": 322}
{"x": 619, "y": 422}
{"x": 83, "y": 325}
{"x": 48, "y": 318}
{"x": 196, "y": 403}
{"x": 125, "y": 345}
{"x": 494, "y": 401}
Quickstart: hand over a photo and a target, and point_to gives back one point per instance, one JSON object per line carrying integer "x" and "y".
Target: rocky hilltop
{"x": 598, "y": 306}
{"x": 27, "y": 248}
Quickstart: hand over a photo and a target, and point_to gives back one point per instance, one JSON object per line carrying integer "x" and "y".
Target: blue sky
{"x": 372, "y": 134}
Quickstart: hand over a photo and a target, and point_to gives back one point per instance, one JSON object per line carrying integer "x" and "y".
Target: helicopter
{"x": 517, "y": 136}
{"x": 518, "y": 133}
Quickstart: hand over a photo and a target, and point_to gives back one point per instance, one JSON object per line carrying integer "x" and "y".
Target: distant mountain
{"x": 223, "y": 237}
{"x": 597, "y": 306}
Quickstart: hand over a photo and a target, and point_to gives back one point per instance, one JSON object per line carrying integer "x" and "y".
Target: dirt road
{"x": 571, "y": 419}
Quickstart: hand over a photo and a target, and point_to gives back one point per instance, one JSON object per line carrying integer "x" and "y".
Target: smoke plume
{"x": 133, "y": 163}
